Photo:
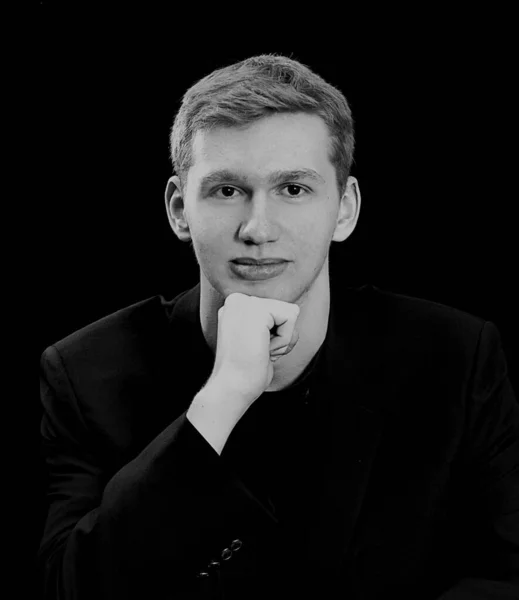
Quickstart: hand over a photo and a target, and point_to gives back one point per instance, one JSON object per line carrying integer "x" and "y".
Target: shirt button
{"x": 202, "y": 575}
{"x": 236, "y": 545}
{"x": 226, "y": 554}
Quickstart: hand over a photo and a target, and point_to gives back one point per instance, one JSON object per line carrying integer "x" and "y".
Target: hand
{"x": 252, "y": 333}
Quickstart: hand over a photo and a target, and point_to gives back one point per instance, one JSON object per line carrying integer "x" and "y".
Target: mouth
{"x": 254, "y": 262}
{"x": 258, "y": 271}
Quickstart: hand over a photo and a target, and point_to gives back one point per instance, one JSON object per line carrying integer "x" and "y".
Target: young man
{"x": 264, "y": 434}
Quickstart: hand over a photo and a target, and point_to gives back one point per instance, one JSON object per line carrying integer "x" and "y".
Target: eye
{"x": 294, "y": 188}
{"x": 226, "y": 189}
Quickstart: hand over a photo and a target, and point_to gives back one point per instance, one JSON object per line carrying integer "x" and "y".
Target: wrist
{"x": 214, "y": 412}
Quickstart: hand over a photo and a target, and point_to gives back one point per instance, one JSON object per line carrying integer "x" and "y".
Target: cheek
{"x": 313, "y": 236}
{"x": 207, "y": 246}
{"x": 210, "y": 245}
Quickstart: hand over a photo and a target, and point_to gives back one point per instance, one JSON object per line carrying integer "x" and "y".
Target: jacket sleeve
{"x": 152, "y": 526}
{"x": 491, "y": 453}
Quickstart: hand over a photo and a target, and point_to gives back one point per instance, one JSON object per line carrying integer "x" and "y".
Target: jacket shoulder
{"x": 423, "y": 322}
{"x": 429, "y": 341}
{"x": 122, "y": 329}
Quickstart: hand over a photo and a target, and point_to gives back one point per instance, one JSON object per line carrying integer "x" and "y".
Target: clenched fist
{"x": 252, "y": 333}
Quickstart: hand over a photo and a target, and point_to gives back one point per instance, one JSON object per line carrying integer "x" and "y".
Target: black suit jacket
{"x": 419, "y": 496}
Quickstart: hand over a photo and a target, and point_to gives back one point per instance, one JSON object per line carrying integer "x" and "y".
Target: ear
{"x": 349, "y": 210}
{"x": 176, "y": 210}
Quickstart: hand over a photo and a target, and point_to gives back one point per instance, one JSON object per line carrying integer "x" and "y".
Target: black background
{"x": 434, "y": 106}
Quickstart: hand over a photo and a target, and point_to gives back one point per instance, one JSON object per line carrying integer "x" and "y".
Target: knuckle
{"x": 230, "y": 298}
{"x": 235, "y": 297}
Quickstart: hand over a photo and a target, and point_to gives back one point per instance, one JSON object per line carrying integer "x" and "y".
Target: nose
{"x": 258, "y": 225}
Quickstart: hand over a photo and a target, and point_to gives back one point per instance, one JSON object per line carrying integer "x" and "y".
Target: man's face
{"x": 246, "y": 213}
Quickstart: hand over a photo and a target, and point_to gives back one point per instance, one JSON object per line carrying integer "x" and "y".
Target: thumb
{"x": 293, "y": 340}
{"x": 286, "y": 349}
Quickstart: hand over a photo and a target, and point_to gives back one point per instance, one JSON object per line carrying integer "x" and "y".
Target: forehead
{"x": 279, "y": 141}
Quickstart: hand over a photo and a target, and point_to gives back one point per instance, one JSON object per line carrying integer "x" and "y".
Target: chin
{"x": 277, "y": 288}
{"x": 268, "y": 288}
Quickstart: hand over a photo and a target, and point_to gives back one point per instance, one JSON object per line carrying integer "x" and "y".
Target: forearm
{"x": 214, "y": 412}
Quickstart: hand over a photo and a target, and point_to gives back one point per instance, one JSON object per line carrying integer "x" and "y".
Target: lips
{"x": 252, "y": 271}
{"x": 243, "y": 261}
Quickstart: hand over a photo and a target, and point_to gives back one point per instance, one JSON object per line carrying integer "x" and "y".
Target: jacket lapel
{"x": 353, "y": 389}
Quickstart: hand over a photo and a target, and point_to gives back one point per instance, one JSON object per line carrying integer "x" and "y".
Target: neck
{"x": 312, "y": 324}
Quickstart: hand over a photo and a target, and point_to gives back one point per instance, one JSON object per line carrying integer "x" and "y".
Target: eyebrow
{"x": 224, "y": 175}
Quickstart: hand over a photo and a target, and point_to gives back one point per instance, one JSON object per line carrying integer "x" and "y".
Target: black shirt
{"x": 276, "y": 449}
